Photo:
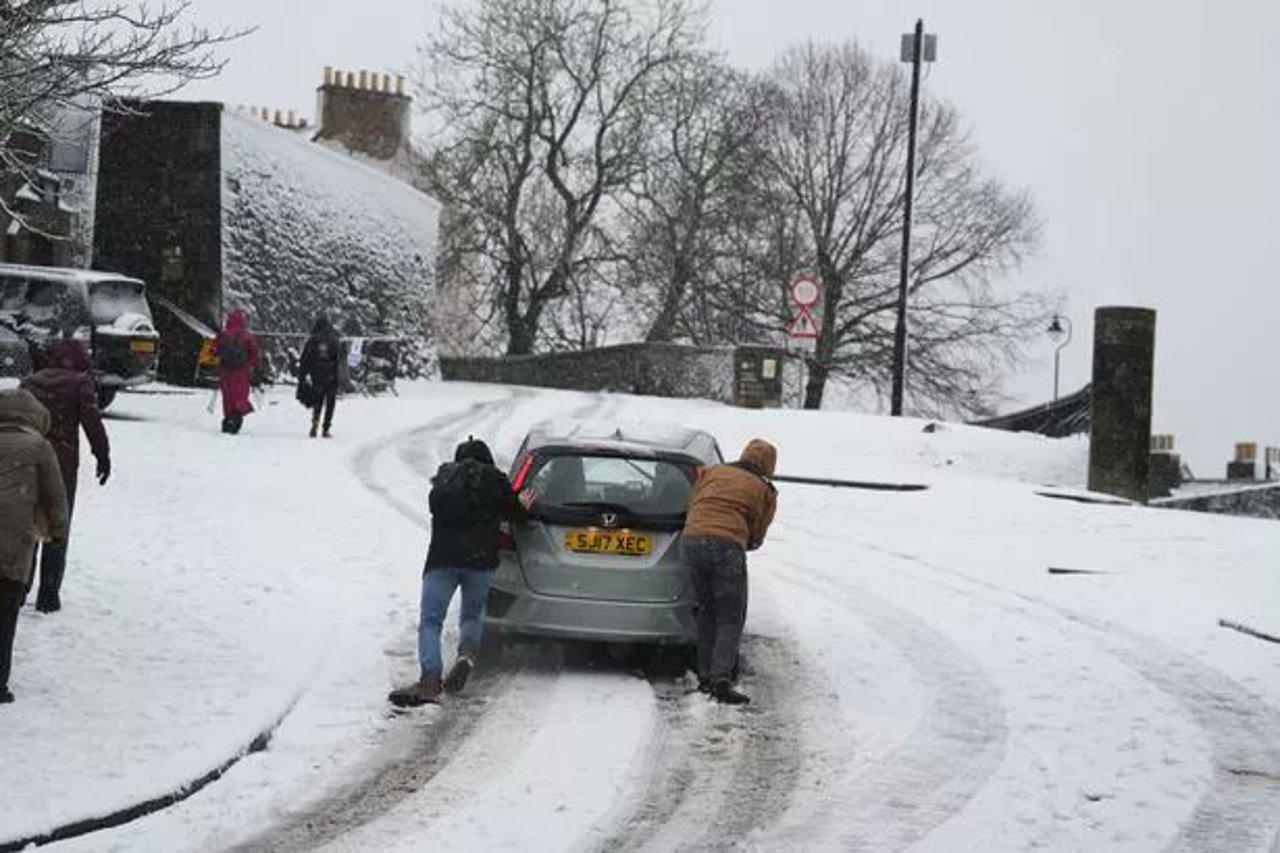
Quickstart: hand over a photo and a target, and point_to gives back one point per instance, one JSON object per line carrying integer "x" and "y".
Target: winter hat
{"x": 473, "y": 448}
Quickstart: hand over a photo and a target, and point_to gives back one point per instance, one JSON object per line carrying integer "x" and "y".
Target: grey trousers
{"x": 719, "y": 570}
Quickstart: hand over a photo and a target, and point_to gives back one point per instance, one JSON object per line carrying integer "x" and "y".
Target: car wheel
{"x": 106, "y": 396}
{"x": 670, "y": 661}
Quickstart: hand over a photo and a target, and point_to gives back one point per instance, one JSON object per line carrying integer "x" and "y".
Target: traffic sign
{"x": 806, "y": 290}
{"x": 803, "y": 325}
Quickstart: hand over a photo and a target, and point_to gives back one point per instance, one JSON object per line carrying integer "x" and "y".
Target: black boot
{"x": 725, "y": 693}
{"x": 5, "y": 696}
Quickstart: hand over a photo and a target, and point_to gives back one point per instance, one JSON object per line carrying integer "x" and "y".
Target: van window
{"x": 13, "y": 293}
{"x": 54, "y": 304}
{"x": 110, "y": 299}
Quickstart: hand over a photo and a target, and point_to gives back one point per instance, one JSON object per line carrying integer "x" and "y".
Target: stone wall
{"x": 1261, "y": 501}
{"x": 660, "y": 370}
{"x": 159, "y": 214}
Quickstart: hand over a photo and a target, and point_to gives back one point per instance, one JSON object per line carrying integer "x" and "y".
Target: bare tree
{"x": 681, "y": 210}
{"x": 542, "y": 108}
{"x": 835, "y": 153}
{"x": 75, "y": 55}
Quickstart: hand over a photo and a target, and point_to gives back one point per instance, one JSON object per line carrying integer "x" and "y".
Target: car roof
{"x": 640, "y": 440}
{"x": 64, "y": 274}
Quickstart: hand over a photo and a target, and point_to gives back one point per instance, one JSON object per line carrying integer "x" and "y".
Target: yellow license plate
{"x": 622, "y": 543}
{"x": 142, "y": 346}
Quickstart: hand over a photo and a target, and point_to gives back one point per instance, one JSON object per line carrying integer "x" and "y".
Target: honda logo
{"x": 609, "y": 519}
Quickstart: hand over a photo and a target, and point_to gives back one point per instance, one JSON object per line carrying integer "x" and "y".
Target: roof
{"x": 64, "y": 274}
{"x": 646, "y": 439}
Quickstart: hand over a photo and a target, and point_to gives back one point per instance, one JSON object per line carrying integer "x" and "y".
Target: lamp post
{"x": 917, "y": 48}
{"x": 1061, "y": 336}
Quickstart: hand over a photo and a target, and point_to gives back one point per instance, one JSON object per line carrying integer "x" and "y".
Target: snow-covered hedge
{"x": 308, "y": 230}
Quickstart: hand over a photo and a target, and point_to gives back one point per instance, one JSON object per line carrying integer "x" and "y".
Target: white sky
{"x": 1147, "y": 130}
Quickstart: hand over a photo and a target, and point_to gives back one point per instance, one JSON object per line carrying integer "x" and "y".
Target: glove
{"x": 104, "y": 471}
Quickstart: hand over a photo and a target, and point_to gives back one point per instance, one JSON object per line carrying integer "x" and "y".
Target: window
{"x": 108, "y": 300}
{"x": 648, "y": 486}
{"x": 13, "y": 293}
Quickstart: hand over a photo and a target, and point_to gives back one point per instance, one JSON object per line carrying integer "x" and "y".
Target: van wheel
{"x": 106, "y": 396}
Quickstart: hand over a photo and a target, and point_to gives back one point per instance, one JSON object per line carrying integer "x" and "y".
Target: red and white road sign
{"x": 806, "y": 293}
{"x": 806, "y": 290}
{"x": 802, "y": 325}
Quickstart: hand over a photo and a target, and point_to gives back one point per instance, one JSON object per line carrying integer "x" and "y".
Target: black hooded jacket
{"x": 321, "y": 356}
{"x": 469, "y": 498}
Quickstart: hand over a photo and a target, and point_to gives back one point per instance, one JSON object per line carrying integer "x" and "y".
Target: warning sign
{"x": 803, "y": 325}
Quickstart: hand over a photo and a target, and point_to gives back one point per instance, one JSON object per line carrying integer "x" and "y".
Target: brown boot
{"x": 315, "y": 427}
{"x": 423, "y": 691}
{"x": 459, "y": 673}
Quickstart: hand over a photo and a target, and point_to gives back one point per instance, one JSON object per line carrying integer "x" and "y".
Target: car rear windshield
{"x": 649, "y": 487}
{"x": 108, "y": 300}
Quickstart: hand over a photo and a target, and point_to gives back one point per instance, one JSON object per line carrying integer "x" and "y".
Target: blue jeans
{"x": 438, "y": 586}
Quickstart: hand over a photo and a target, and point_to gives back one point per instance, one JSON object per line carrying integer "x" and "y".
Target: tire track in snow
{"x": 1241, "y": 808}
{"x": 715, "y": 776}
{"x": 416, "y": 754}
{"x": 900, "y": 797}
{"x": 364, "y": 460}
{"x": 406, "y": 763}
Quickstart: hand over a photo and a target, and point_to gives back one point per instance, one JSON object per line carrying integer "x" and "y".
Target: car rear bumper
{"x": 518, "y": 610}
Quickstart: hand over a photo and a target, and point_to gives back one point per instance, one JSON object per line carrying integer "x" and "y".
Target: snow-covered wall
{"x": 308, "y": 230}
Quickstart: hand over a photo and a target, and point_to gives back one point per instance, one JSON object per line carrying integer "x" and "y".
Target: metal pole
{"x": 1057, "y": 355}
{"x": 900, "y": 332}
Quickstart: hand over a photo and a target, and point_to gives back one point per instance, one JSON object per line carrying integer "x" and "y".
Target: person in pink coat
{"x": 238, "y": 357}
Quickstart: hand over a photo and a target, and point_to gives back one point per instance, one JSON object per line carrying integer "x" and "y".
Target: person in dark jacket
{"x": 32, "y": 506}
{"x": 729, "y": 514}
{"x": 66, "y": 388}
{"x": 469, "y": 499}
{"x": 238, "y": 357}
{"x": 319, "y": 368}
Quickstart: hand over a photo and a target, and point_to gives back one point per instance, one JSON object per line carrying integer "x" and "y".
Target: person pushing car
{"x": 729, "y": 514}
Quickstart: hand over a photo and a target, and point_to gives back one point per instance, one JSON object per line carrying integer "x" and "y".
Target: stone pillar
{"x": 1120, "y": 440}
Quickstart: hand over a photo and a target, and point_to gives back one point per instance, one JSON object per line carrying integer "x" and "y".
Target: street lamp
{"x": 1060, "y": 336}
{"x": 917, "y": 48}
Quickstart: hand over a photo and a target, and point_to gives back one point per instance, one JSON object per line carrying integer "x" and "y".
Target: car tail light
{"x": 523, "y": 473}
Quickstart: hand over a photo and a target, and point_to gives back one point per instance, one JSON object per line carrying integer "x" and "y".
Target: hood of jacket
{"x": 760, "y": 455}
{"x": 69, "y": 354}
{"x": 473, "y": 448}
{"x": 19, "y": 408}
{"x": 237, "y": 321}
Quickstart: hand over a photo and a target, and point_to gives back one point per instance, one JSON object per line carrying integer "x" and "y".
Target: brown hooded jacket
{"x": 31, "y": 490}
{"x": 736, "y": 501}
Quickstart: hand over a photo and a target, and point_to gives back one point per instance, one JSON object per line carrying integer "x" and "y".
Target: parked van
{"x": 106, "y": 312}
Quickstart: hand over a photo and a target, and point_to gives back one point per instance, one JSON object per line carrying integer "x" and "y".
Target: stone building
{"x": 221, "y": 208}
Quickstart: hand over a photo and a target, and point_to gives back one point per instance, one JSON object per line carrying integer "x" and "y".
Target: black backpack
{"x": 458, "y": 494}
{"x": 232, "y": 353}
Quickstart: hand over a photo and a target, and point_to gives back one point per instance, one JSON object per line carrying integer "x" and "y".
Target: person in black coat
{"x": 469, "y": 500}
{"x": 318, "y": 369}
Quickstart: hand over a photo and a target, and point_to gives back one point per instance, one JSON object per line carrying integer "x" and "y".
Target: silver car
{"x": 600, "y": 559}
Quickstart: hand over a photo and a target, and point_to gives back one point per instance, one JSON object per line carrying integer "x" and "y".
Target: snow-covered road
{"x": 920, "y": 678}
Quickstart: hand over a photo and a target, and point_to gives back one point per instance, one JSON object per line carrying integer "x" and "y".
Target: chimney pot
{"x": 328, "y": 75}
{"x": 386, "y": 83}
{"x": 399, "y": 84}
{"x": 266, "y": 114}
{"x": 364, "y": 79}
{"x": 351, "y": 80}
{"x": 293, "y": 118}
